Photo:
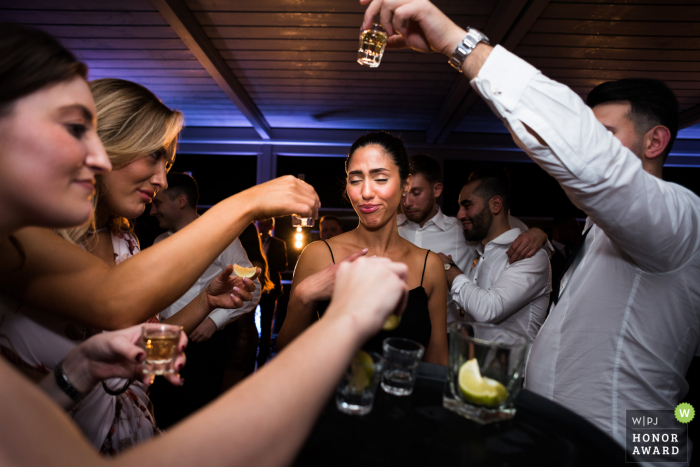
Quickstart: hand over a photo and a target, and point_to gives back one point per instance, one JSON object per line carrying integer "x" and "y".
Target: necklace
{"x": 101, "y": 229}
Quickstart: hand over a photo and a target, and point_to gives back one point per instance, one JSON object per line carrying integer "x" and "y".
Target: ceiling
{"x": 279, "y": 77}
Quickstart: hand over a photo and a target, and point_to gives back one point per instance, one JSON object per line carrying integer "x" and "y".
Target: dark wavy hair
{"x": 652, "y": 103}
{"x": 30, "y": 60}
{"x": 391, "y": 145}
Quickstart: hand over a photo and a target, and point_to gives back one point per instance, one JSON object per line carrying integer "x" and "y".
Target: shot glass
{"x": 355, "y": 393}
{"x": 160, "y": 342}
{"x": 302, "y": 221}
{"x": 402, "y": 359}
{"x": 372, "y": 43}
{"x": 484, "y": 372}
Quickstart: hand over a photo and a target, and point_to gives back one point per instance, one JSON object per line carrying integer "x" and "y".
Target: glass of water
{"x": 302, "y": 221}
{"x": 372, "y": 43}
{"x": 160, "y": 342}
{"x": 402, "y": 359}
{"x": 355, "y": 393}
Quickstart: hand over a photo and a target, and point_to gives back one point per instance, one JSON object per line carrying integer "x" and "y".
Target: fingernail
{"x": 182, "y": 380}
{"x": 236, "y": 289}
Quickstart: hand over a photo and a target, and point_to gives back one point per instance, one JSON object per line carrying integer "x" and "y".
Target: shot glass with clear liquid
{"x": 302, "y": 221}
{"x": 160, "y": 342}
{"x": 372, "y": 43}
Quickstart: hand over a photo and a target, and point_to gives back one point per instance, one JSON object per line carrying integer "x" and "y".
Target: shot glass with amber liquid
{"x": 160, "y": 342}
{"x": 372, "y": 43}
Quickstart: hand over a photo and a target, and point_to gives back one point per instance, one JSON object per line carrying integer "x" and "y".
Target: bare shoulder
{"x": 315, "y": 257}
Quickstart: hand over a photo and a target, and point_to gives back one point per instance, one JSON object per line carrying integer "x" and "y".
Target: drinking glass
{"x": 485, "y": 371}
{"x": 160, "y": 342}
{"x": 372, "y": 44}
{"x": 402, "y": 359}
{"x": 302, "y": 221}
{"x": 355, "y": 393}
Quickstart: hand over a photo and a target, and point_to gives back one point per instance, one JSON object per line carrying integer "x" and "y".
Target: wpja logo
{"x": 658, "y": 435}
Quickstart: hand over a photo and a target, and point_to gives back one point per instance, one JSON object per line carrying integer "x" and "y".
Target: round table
{"x": 417, "y": 430}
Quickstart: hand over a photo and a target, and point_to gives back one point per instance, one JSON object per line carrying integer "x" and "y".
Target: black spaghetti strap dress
{"x": 415, "y": 321}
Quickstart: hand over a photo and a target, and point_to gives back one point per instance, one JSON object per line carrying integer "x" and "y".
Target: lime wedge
{"x": 362, "y": 367}
{"x": 391, "y": 323}
{"x": 241, "y": 271}
{"x": 480, "y": 389}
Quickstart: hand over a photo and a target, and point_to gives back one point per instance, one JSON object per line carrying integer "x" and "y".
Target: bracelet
{"x": 64, "y": 384}
{"x": 116, "y": 392}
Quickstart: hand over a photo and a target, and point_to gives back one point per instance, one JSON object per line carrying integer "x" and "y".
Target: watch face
{"x": 447, "y": 266}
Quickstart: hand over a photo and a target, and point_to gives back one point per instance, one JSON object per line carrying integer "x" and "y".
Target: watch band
{"x": 64, "y": 384}
{"x": 465, "y": 47}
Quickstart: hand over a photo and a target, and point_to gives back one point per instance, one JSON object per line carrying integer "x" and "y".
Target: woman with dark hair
{"x": 377, "y": 178}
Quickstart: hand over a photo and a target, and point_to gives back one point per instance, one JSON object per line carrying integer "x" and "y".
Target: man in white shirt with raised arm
{"x": 424, "y": 224}
{"x": 511, "y": 296}
{"x": 627, "y": 321}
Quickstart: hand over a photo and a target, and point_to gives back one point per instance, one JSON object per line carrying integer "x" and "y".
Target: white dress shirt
{"x": 513, "y": 296}
{"x": 234, "y": 254}
{"x": 627, "y": 323}
{"x": 443, "y": 234}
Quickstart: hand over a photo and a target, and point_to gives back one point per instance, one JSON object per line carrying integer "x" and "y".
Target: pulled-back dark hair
{"x": 652, "y": 103}
{"x": 30, "y": 60}
{"x": 425, "y": 165}
{"x": 391, "y": 145}
{"x": 492, "y": 182}
{"x": 183, "y": 184}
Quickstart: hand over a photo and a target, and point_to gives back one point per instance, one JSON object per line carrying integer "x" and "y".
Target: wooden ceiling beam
{"x": 190, "y": 31}
{"x": 508, "y": 24}
{"x": 689, "y": 117}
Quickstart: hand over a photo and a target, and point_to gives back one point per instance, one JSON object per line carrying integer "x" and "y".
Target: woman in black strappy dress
{"x": 377, "y": 168}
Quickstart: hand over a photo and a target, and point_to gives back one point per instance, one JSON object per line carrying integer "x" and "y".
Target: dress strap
{"x": 329, "y": 249}
{"x": 424, "y": 263}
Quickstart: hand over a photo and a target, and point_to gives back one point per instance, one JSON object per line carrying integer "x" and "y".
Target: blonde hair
{"x": 131, "y": 122}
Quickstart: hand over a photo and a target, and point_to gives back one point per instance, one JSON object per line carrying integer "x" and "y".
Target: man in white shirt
{"x": 627, "y": 321}
{"x": 423, "y": 224}
{"x": 512, "y": 296}
{"x": 208, "y": 351}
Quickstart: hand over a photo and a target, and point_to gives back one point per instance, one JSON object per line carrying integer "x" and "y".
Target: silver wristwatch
{"x": 460, "y": 54}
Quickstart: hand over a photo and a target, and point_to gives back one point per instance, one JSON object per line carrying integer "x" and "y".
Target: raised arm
{"x": 63, "y": 278}
{"x": 294, "y": 386}
{"x": 651, "y": 221}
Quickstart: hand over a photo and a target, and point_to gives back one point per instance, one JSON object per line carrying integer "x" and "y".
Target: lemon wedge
{"x": 362, "y": 367}
{"x": 241, "y": 271}
{"x": 479, "y": 389}
{"x": 391, "y": 323}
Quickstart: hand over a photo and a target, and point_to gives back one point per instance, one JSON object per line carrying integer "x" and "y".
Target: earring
{"x": 403, "y": 194}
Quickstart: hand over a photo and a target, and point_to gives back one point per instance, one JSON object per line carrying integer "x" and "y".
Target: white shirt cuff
{"x": 495, "y": 80}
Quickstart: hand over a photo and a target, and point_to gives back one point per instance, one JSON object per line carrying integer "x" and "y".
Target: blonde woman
{"x": 139, "y": 134}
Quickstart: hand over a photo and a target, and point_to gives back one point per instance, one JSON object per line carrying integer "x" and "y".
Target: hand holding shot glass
{"x": 161, "y": 342}
{"x": 302, "y": 221}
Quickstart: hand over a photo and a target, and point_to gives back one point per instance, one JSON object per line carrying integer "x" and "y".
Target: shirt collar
{"x": 438, "y": 219}
{"x": 505, "y": 238}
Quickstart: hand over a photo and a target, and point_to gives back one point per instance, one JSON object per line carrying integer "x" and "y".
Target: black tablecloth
{"x": 418, "y": 431}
